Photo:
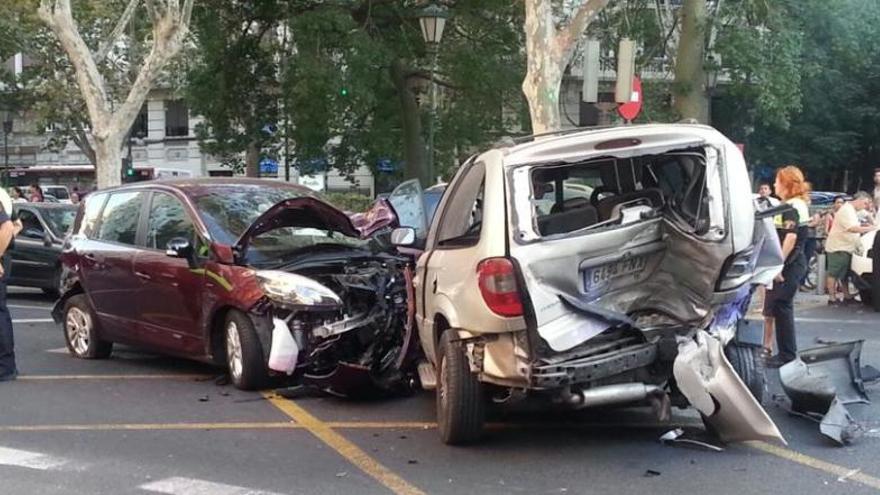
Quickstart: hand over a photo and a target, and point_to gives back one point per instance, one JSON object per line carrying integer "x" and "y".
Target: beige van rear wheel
{"x": 460, "y": 401}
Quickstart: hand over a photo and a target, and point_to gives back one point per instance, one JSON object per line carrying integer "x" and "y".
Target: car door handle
{"x": 434, "y": 284}
{"x": 143, "y": 276}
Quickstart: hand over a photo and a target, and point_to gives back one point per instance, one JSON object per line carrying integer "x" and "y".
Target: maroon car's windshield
{"x": 229, "y": 211}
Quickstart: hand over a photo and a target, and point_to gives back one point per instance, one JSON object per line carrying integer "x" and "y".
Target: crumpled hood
{"x": 314, "y": 213}
{"x": 299, "y": 212}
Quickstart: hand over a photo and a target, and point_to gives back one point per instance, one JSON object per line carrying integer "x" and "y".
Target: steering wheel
{"x": 594, "y": 197}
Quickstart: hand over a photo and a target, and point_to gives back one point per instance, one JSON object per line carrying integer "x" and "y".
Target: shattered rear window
{"x": 609, "y": 192}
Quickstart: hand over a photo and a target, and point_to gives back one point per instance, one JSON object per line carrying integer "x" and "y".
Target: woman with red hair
{"x": 794, "y": 190}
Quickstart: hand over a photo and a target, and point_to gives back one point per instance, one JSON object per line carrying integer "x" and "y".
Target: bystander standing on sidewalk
{"x": 791, "y": 227}
{"x": 877, "y": 188}
{"x": 8, "y": 229}
{"x": 765, "y": 193}
{"x": 36, "y": 194}
{"x": 843, "y": 240}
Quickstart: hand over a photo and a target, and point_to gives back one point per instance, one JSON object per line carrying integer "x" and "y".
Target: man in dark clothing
{"x": 8, "y": 371}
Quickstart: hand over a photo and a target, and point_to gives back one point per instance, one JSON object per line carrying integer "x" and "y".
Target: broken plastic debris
{"x": 839, "y": 425}
{"x": 650, "y": 473}
{"x": 821, "y": 381}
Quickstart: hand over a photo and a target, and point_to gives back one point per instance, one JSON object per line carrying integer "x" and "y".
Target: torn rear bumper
{"x": 706, "y": 378}
{"x": 592, "y": 368}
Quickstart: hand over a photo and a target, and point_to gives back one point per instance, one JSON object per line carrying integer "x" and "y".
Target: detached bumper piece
{"x": 593, "y": 367}
{"x": 823, "y": 381}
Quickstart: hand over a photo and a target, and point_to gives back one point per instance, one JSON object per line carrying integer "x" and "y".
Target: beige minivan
{"x": 594, "y": 268}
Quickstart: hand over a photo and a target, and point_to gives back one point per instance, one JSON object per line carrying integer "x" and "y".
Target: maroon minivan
{"x": 260, "y": 276}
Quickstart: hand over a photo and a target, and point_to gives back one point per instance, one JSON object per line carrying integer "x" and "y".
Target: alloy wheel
{"x": 233, "y": 350}
{"x": 443, "y": 385}
{"x": 79, "y": 330}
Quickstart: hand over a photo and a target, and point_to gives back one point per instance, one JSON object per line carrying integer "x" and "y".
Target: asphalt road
{"x": 139, "y": 423}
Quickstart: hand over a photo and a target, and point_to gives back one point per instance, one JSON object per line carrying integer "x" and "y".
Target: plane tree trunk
{"x": 110, "y": 121}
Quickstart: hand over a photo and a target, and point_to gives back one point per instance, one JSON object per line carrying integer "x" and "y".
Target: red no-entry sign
{"x": 631, "y": 109}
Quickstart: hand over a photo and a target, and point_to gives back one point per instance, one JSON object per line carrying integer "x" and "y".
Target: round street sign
{"x": 630, "y": 110}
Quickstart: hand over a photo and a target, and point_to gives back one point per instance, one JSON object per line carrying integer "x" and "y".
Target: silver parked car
{"x": 595, "y": 268}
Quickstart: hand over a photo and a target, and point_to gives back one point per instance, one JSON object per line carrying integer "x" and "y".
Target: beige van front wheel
{"x": 460, "y": 401}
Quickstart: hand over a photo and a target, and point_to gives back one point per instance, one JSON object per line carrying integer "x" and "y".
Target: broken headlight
{"x": 295, "y": 291}
{"x": 737, "y": 270}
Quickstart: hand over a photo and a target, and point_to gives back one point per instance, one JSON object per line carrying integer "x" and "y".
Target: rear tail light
{"x": 499, "y": 288}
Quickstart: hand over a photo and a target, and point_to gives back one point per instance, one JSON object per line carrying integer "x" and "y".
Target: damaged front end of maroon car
{"x": 334, "y": 315}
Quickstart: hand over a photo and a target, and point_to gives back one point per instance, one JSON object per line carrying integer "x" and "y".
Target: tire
{"x": 748, "y": 365}
{"x": 460, "y": 401}
{"x": 244, "y": 354}
{"x": 81, "y": 333}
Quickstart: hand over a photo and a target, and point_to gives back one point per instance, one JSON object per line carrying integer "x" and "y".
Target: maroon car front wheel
{"x": 244, "y": 354}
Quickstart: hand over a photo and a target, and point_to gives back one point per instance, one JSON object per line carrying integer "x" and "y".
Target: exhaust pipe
{"x": 623, "y": 393}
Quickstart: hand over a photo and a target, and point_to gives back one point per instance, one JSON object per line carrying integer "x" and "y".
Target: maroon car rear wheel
{"x": 81, "y": 331}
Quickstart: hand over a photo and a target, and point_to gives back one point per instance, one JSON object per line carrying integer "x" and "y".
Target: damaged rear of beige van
{"x": 597, "y": 268}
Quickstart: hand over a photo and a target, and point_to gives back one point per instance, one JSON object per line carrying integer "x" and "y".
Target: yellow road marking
{"x": 343, "y": 446}
{"x": 269, "y": 425}
{"x": 818, "y": 464}
{"x": 178, "y": 376}
{"x": 154, "y": 426}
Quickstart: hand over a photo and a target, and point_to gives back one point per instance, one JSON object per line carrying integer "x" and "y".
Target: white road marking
{"x": 23, "y": 306}
{"x": 30, "y": 460}
{"x": 60, "y": 350}
{"x": 191, "y": 486}
{"x": 34, "y": 320}
{"x": 817, "y": 320}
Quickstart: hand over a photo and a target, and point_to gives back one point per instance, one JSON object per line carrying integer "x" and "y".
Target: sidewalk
{"x": 803, "y": 301}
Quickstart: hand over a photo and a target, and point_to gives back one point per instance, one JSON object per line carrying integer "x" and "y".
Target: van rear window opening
{"x": 609, "y": 192}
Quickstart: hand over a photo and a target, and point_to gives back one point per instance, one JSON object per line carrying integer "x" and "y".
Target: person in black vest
{"x": 8, "y": 370}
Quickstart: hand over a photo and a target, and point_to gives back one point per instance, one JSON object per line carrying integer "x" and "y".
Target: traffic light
{"x": 127, "y": 169}
{"x": 343, "y": 91}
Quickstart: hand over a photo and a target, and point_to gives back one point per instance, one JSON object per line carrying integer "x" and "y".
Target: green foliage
{"x": 349, "y": 201}
{"x": 838, "y": 127}
{"x": 331, "y": 89}
{"x": 761, "y": 48}
{"x": 231, "y": 79}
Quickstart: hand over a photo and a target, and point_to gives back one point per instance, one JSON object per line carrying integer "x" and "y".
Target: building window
{"x": 176, "y": 119}
{"x": 140, "y": 129}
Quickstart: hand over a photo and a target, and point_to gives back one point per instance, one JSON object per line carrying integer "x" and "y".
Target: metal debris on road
{"x": 676, "y": 436}
{"x": 848, "y": 475}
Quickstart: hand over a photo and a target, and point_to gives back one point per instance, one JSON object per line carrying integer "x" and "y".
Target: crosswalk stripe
{"x": 30, "y": 460}
{"x": 24, "y": 306}
{"x": 190, "y": 486}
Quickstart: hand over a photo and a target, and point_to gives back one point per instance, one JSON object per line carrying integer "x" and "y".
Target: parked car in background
{"x": 865, "y": 277}
{"x": 261, "y": 277}
{"x": 37, "y": 248}
{"x": 58, "y": 193}
{"x": 629, "y": 287}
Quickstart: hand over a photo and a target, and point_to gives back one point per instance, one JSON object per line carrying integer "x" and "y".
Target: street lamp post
{"x": 433, "y": 20}
{"x": 7, "y": 130}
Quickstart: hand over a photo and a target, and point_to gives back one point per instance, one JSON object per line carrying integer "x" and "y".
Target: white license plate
{"x": 601, "y": 275}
